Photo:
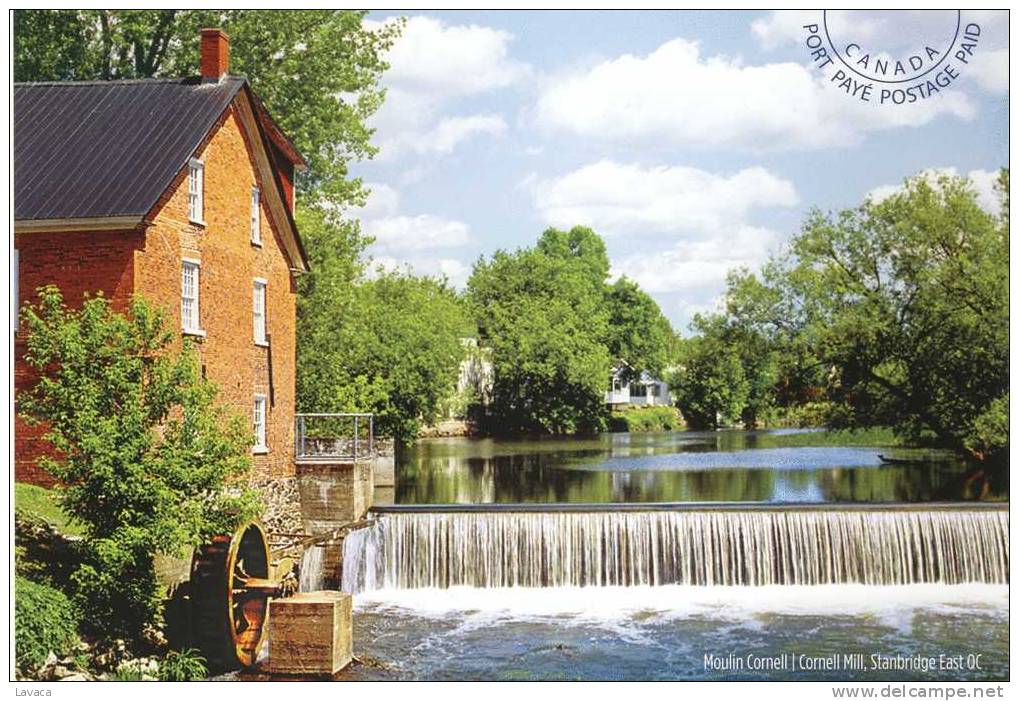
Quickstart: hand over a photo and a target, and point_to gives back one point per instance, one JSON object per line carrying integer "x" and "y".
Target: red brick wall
{"x": 150, "y": 264}
{"x": 77, "y": 263}
{"x": 229, "y": 265}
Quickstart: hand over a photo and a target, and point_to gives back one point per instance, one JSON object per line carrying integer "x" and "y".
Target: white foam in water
{"x": 679, "y": 601}
{"x": 654, "y": 549}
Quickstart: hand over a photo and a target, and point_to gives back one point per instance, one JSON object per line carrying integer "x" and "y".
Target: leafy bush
{"x": 990, "y": 430}
{"x": 183, "y": 666}
{"x": 127, "y": 674}
{"x": 145, "y": 453}
{"x": 44, "y": 622}
{"x": 807, "y": 415}
{"x": 642, "y": 419}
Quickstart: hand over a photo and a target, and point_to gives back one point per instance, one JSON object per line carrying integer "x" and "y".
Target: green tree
{"x": 640, "y": 338}
{"x": 389, "y": 345}
{"x": 317, "y": 71}
{"x": 906, "y": 301}
{"x": 52, "y": 45}
{"x": 144, "y": 453}
{"x": 542, "y": 312}
{"x": 756, "y": 325}
{"x": 326, "y": 306}
{"x": 710, "y": 381}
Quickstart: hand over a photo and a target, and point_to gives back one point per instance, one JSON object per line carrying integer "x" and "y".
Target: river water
{"x": 665, "y": 632}
{"x": 932, "y": 629}
{"x": 760, "y": 466}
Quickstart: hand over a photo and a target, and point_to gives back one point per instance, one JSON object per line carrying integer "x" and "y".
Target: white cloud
{"x": 703, "y": 218}
{"x": 445, "y": 136}
{"x": 617, "y": 198}
{"x": 411, "y": 242}
{"x": 699, "y": 265}
{"x": 416, "y": 233}
{"x": 434, "y": 57}
{"x": 990, "y": 69}
{"x": 688, "y": 308}
{"x": 454, "y": 270}
{"x": 433, "y": 65}
{"x": 983, "y": 182}
{"x": 678, "y": 97}
{"x": 785, "y": 27}
{"x": 383, "y": 200}
{"x": 782, "y": 27}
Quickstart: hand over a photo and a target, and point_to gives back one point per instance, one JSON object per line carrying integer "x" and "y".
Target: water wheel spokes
{"x": 230, "y": 592}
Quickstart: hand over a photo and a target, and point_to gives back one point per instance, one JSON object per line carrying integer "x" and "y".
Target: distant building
{"x": 644, "y": 391}
{"x": 476, "y": 372}
{"x": 473, "y": 391}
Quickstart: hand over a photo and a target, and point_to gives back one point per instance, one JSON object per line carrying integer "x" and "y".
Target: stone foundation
{"x": 282, "y": 504}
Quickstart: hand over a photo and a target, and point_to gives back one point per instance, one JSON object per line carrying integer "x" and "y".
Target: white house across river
{"x": 645, "y": 391}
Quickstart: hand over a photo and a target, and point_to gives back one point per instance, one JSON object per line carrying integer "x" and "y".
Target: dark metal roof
{"x": 107, "y": 149}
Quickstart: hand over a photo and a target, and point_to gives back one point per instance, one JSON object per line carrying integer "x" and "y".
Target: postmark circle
{"x": 944, "y": 54}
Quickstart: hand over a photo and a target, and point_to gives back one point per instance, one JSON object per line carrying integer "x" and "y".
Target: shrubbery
{"x": 641, "y": 419}
{"x": 990, "y": 429}
{"x": 145, "y": 452}
{"x": 808, "y": 415}
{"x": 182, "y": 666}
{"x": 44, "y": 622}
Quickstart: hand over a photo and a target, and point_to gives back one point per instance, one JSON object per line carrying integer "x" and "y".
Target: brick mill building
{"x": 181, "y": 191}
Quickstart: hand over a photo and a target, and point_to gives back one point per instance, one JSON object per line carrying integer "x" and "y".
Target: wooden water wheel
{"x": 230, "y": 591}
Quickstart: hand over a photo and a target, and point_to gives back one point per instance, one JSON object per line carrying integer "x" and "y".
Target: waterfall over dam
{"x": 701, "y": 545}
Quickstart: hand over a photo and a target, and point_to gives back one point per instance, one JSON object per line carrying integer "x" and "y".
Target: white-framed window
{"x": 258, "y": 299}
{"x": 189, "y": 288}
{"x": 258, "y": 419}
{"x": 196, "y": 191}
{"x": 256, "y": 219}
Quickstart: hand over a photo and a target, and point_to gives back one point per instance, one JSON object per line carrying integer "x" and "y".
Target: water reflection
{"x": 768, "y": 466}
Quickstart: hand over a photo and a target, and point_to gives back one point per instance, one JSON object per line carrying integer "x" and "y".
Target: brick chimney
{"x": 215, "y": 55}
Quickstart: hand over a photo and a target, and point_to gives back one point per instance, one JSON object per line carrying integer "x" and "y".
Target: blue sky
{"x": 693, "y": 142}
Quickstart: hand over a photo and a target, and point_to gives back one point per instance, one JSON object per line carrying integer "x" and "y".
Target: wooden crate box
{"x": 310, "y": 633}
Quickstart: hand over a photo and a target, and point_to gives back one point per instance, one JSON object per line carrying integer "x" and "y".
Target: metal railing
{"x": 346, "y": 436}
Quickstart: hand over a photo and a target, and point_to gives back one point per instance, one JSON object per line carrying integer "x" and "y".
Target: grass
{"x": 638, "y": 419}
{"x": 41, "y": 503}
